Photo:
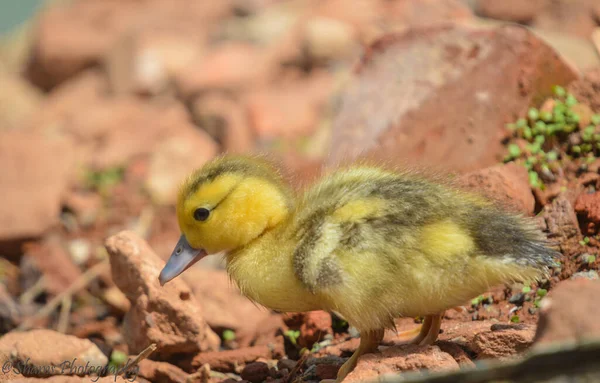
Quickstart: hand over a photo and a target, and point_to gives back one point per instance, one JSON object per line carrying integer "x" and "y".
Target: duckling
{"x": 366, "y": 242}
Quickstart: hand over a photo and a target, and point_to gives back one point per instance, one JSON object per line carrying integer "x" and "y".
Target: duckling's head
{"x": 223, "y": 206}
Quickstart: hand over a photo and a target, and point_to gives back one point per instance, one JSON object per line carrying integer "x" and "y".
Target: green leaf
{"x": 228, "y": 335}
{"x": 533, "y": 114}
{"x": 514, "y": 151}
{"x": 541, "y": 292}
{"x": 559, "y": 91}
{"x": 515, "y": 319}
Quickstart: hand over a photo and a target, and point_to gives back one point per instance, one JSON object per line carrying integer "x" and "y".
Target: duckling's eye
{"x": 201, "y": 214}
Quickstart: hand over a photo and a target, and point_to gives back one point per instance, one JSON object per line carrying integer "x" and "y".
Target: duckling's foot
{"x": 427, "y": 333}
{"x": 369, "y": 341}
{"x": 435, "y": 323}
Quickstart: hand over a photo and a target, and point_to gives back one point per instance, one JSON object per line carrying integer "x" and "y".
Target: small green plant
{"x": 526, "y": 289}
{"x": 547, "y": 137}
{"x": 541, "y": 292}
{"x": 103, "y": 180}
{"x": 228, "y": 335}
{"x": 588, "y": 258}
{"x": 117, "y": 359}
{"x": 515, "y": 319}
{"x": 293, "y": 336}
{"x": 585, "y": 241}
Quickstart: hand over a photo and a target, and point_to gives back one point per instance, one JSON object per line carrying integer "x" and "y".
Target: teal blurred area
{"x": 14, "y": 12}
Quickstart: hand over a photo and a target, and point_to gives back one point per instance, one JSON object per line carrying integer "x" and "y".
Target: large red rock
{"x": 46, "y": 348}
{"x": 401, "y": 358}
{"x": 503, "y": 340}
{"x": 506, "y": 184}
{"x": 442, "y": 95}
{"x": 35, "y": 172}
{"x": 569, "y": 312}
{"x": 169, "y": 316}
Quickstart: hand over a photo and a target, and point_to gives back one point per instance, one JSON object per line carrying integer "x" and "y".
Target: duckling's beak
{"x": 182, "y": 258}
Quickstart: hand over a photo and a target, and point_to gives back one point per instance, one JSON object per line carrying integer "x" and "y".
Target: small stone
{"x": 50, "y": 348}
{"x": 327, "y": 371}
{"x": 255, "y": 372}
{"x": 517, "y": 299}
{"x": 589, "y": 274}
{"x": 503, "y": 340}
{"x": 286, "y": 364}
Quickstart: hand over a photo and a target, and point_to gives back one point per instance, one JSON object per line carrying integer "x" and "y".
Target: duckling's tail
{"x": 512, "y": 238}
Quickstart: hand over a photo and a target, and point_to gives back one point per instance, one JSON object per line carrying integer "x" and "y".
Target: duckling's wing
{"x": 357, "y": 212}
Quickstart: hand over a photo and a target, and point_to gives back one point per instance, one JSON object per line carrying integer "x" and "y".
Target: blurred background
{"x": 105, "y": 105}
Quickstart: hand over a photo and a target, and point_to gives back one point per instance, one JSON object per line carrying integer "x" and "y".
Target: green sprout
{"x": 515, "y": 319}
{"x": 588, "y": 258}
{"x": 293, "y": 336}
{"x": 228, "y": 335}
{"x": 585, "y": 241}
{"x": 104, "y": 180}
{"x": 117, "y": 359}
{"x": 541, "y": 292}
{"x": 526, "y": 289}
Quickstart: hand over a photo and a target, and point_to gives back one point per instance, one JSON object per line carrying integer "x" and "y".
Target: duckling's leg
{"x": 434, "y": 330}
{"x": 369, "y": 340}
{"x": 416, "y": 335}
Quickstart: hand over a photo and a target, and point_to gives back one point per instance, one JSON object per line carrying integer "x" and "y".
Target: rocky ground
{"x": 106, "y": 104}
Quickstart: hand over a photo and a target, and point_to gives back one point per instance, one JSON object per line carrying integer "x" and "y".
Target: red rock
{"x": 586, "y": 89}
{"x": 255, "y": 372}
{"x": 507, "y": 184}
{"x": 345, "y": 348}
{"x": 401, "y": 358}
{"x": 568, "y": 17}
{"x": 316, "y": 325}
{"x": 147, "y": 62}
{"x": 225, "y": 307}
{"x": 56, "y": 265}
{"x": 169, "y": 316}
{"x": 289, "y": 111}
{"x": 559, "y": 219}
{"x": 70, "y": 38}
{"x": 85, "y": 206}
{"x": 463, "y": 333}
{"x": 512, "y": 10}
{"x": 19, "y": 101}
{"x": 569, "y": 312}
{"x": 74, "y": 36}
{"x": 161, "y": 372}
{"x": 587, "y": 207}
{"x": 174, "y": 159}
{"x": 227, "y": 361}
{"x": 229, "y": 66}
{"x": 49, "y": 348}
{"x": 433, "y": 95}
{"x": 35, "y": 171}
{"x": 225, "y": 120}
{"x": 457, "y": 352}
{"x": 426, "y": 12}
{"x": 503, "y": 340}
